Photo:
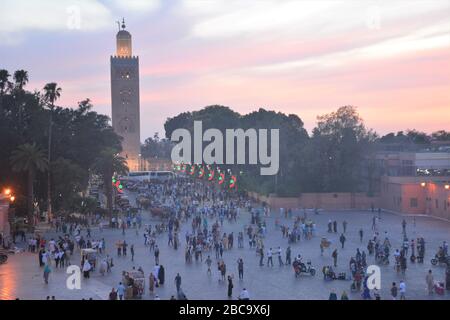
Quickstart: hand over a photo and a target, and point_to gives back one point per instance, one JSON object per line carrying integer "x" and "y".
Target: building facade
{"x": 417, "y": 195}
{"x": 125, "y": 98}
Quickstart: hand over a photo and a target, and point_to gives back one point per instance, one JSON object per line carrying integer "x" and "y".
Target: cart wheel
{"x": 313, "y": 272}
{"x": 434, "y": 262}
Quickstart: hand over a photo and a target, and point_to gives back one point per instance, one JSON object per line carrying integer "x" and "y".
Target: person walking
{"x": 241, "y": 269}
{"x": 156, "y": 253}
{"x": 47, "y": 271}
{"x": 288, "y": 255}
{"x": 121, "y": 290}
{"x": 402, "y": 289}
{"x": 394, "y": 291}
{"x": 151, "y": 283}
{"x": 208, "y": 263}
{"x": 361, "y": 233}
{"x": 161, "y": 275}
{"x": 124, "y": 248}
{"x": 430, "y": 282}
{"x": 132, "y": 252}
{"x": 113, "y": 294}
{"x": 86, "y": 269}
{"x": 280, "y": 261}
{"x": 269, "y": 258}
{"x": 334, "y": 255}
{"x": 261, "y": 257}
{"x": 342, "y": 240}
{"x": 230, "y": 287}
{"x": 178, "y": 282}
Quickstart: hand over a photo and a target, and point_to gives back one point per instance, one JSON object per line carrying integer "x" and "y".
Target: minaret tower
{"x": 125, "y": 97}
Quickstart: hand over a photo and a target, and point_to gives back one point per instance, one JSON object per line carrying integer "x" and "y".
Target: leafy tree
{"x": 341, "y": 140}
{"x": 51, "y": 93}
{"x": 29, "y": 158}
{"x": 77, "y": 138}
{"x": 107, "y": 164}
{"x": 441, "y": 135}
{"x": 154, "y": 147}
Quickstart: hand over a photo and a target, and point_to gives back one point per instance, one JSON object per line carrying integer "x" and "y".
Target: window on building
{"x": 437, "y": 203}
{"x": 413, "y": 203}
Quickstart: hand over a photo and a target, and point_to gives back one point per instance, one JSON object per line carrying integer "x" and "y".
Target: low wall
{"x": 339, "y": 201}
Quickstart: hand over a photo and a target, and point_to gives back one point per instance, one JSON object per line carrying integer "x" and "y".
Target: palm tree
{"x": 29, "y": 158}
{"x": 20, "y": 79}
{"x": 4, "y": 85}
{"x": 107, "y": 164}
{"x": 51, "y": 94}
{"x": 4, "y": 81}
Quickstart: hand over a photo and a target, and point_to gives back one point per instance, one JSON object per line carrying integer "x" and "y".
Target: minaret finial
{"x": 118, "y": 24}
{"x": 123, "y": 23}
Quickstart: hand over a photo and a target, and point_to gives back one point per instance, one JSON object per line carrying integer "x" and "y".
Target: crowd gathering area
{"x": 187, "y": 239}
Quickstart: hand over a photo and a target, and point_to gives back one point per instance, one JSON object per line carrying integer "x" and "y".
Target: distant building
{"x": 417, "y": 195}
{"x": 125, "y": 98}
{"x": 411, "y": 164}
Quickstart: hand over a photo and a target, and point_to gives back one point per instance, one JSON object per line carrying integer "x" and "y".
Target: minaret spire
{"x": 123, "y": 23}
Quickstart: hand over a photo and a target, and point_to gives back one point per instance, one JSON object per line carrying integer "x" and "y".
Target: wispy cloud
{"x": 22, "y": 18}
{"x": 297, "y": 56}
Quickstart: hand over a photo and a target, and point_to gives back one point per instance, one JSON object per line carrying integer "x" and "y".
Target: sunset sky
{"x": 391, "y": 59}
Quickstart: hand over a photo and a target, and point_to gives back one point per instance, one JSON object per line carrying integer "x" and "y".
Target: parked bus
{"x": 148, "y": 176}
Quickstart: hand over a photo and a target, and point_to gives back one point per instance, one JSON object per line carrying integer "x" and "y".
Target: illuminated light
{"x": 201, "y": 173}
{"x": 423, "y": 184}
{"x": 12, "y": 198}
{"x": 120, "y": 186}
{"x": 114, "y": 180}
{"x": 7, "y": 191}
{"x": 447, "y": 186}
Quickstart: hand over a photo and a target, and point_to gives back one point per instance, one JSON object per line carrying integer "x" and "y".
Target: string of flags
{"x": 208, "y": 172}
{"x": 117, "y": 184}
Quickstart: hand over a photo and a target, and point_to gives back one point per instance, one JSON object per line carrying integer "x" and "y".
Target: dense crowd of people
{"x": 200, "y": 209}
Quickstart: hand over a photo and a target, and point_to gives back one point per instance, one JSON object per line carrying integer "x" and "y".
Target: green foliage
{"x": 78, "y": 138}
{"x": 155, "y": 147}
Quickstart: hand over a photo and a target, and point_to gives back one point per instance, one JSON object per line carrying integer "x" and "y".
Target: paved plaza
{"x": 22, "y": 277}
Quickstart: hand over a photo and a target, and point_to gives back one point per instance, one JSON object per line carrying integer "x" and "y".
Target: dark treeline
{"x": 43, "y": 144}
{"x": 336, "y": 157}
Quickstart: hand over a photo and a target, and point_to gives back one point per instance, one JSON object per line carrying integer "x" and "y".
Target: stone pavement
{"x": 21, "y": 276}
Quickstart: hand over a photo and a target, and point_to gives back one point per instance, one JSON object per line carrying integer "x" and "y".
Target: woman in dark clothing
{"x": 161, "y": 275}
{"x": 230, "y": 287}
{"x": 41, "y": 252}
